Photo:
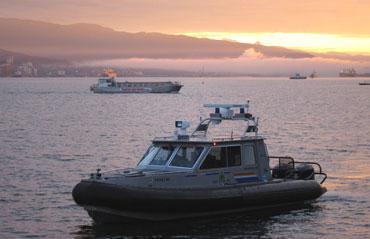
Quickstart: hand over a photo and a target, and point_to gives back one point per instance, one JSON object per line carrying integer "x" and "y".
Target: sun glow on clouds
{"x": 303, "y": 41}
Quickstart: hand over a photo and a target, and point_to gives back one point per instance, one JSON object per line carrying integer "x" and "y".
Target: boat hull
{"x": 125, "y": 88}
{"x": 106, "y": 202}
{"x": 298, "y": 78}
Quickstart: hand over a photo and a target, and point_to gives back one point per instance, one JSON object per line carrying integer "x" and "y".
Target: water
{"x": 53, "y": 132}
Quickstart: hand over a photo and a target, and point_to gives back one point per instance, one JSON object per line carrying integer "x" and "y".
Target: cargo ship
{"x": 351, "y": 72}
{"x": 108, "y": 84}
{"x": 348, "y": 72}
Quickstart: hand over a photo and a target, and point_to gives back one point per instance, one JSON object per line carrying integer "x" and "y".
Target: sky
{"x": 330, "y": 25}
{"x": 304, "y": 16}
{"x": 313, "y": 25}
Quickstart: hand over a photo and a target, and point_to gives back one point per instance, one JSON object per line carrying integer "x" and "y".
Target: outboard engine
{"x": 304, "y": 171}
{"x": 282, "y": 171}
{"x": 299, "y": 171}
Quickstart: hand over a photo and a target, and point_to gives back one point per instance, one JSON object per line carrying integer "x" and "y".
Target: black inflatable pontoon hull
{"x": 102, "y": 199}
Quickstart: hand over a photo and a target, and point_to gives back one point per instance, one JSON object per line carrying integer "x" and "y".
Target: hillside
{"x": 93, "y": 42}
{"x": 22, "y": 58}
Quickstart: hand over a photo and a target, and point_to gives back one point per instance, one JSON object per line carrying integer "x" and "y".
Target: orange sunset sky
{"x": 318, "y": 26}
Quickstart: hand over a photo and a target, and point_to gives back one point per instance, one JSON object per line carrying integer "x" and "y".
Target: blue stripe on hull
{"x": 246, "y": 179}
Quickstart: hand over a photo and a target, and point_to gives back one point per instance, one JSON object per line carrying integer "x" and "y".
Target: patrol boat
{"x": 108, "y": 84}
{"x": 194, "y": 175}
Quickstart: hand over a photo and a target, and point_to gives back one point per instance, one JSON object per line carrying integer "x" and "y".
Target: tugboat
{"x": 189, "y": 175}
{"x": 108, "y": 84}
{"x": 297, "y": 76}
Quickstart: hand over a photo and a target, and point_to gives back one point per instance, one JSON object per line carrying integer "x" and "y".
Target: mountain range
{"x": 84, "y": 42}
{"x": 20, "y": 58}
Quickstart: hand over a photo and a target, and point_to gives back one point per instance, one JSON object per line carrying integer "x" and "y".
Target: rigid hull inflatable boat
{"x": 192, "y": 175}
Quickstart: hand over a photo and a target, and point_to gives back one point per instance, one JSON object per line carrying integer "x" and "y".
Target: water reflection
{"x": 244, "y": 225}
{"x": 53, "y": 132}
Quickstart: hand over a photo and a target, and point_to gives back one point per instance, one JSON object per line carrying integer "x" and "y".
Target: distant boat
{"x": 108, "y": 84}
{"x": 364, "y": 83}
{"x": 350, "y": 72}
{"x": 313, "y": 74}
{"x": 297, "y": 76}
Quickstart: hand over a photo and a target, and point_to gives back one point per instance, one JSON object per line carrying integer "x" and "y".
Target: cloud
{"x": 330, "y": 16}
{"x": 251, "y": 62}
{"x": 251, "y": 53}
{"x": 365, "y": 59}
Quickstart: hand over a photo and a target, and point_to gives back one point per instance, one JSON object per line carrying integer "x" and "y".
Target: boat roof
{"x": 222, "y": 113}
{"x": 214, "y": 141}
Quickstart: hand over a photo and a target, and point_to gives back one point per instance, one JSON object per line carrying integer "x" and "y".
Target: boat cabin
{"x": 107, "y": 82}
{"x": 244, "y": 157}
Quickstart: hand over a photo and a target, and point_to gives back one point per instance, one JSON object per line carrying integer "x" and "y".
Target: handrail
{"x": 320, "y": 169}
{"x": 208, "y": 139}
{"x": 313, "y": 163}
{"x": 302, "y": 162}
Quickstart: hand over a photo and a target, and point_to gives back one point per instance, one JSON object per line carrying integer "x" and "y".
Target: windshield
{"x": 157, "y": 155}
{"x": 148, "y": 156}
{"x": 163, "y": 155}
{"x": 186, "y": 156}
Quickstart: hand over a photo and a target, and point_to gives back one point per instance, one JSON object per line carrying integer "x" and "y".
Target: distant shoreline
{"x": 198, "y": 77}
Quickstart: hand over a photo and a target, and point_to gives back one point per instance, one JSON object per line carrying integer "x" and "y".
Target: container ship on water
{"x": 351, "y": 72}
{"x": 108, "y": 84}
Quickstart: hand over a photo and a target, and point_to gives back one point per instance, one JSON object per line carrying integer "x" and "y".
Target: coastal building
{"x": 26, "y": 70}
{"x": 7, "y": 67}
{"x": 61, "y": 73}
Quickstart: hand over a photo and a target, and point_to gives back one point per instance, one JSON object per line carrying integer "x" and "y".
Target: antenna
{"x": 226, "y": 112}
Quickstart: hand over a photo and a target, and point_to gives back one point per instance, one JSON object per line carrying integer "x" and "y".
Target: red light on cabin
{"x": 214, "y": 143}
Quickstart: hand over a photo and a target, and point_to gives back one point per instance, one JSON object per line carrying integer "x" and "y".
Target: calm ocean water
{"x": 53, "y": 132}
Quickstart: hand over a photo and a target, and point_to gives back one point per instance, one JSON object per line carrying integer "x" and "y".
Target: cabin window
{"x": 233, "y": 156}
{"x": 148, "y": 156}
{"x": 250, "y": 159}
{"x": 221, "y": 157}
{"x": 186, "y": 156}
{"x": 216, "y": 158}
{"x": 163, "y": 155}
